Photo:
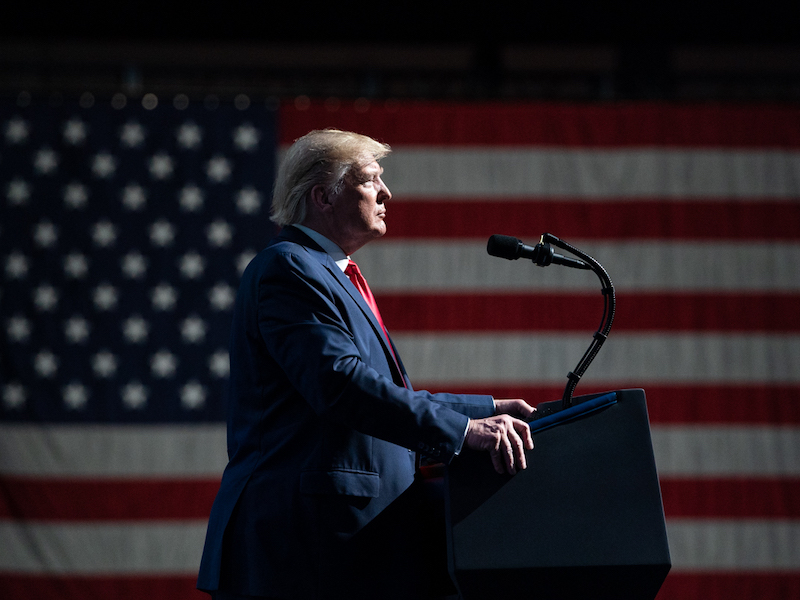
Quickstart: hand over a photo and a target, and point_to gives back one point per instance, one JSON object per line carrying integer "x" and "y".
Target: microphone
{"x": 505, "y": 246}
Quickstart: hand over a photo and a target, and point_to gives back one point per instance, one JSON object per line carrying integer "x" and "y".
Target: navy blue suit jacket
{"x": 321, "y": 427}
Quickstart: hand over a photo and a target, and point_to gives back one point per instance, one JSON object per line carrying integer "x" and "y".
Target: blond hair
{"x": 321, "y": 157}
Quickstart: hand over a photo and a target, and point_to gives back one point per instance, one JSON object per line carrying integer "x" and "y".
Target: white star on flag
{"x": 46, "y": 364}
{"x": 161, "y": 166}
{"x": 46, "y": 161}
{"x": 135, "y": 329}
{"x": 105, "y": 297}
{"x": 76, "y": 329}
{"x": 163, "y": 364}
{"x": 164, "y": 297}
{"x": 221, "y": 296}
{"x": 104, "y": 364}
{"x": 218, "y": 169}
{"x": 193, "y": 329}
{"x": 134, "y": 197}
{"x": 191, "y": 198}
{"x": 219, "y": 364}
{"x": 45, "y": 297}
{"x": 45, "y": 234}
{"x": 18, "y": 192}
{"x": 16, "y": 265}
{"x": 75, "y": 396}
{"x": 192, "y": 265}
{"x": 18, "y": 329}
{"x": 219, "y": 233}
{"x": 246, "y": 137}
{"x": 244, "y": 259}
{"x": 104, "y": 234}
{"x": 104, "y": 165}
{"x": 74, "y": 132}
{"x": 76, "y": 265}
{"x": 248, "y": 201}
{"x": 162, "y": 233}
{"x": 17, "y": 131}
{"x": 14, "y": 396}
{"x": 193, "y": 395}
{"x": 134, "y": 265}
{"x": 189, "y": 136}
{"x": 134, "y": 395}
{"x": 76, "y": 195}
{"x": 132, "y": 135}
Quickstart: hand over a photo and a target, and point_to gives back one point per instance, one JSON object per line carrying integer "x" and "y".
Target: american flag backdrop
{"x": 124, "y": 230}
{"x": 695, "y": 213}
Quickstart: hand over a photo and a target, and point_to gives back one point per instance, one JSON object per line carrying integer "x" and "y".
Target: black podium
{"x": 584, "y": 521}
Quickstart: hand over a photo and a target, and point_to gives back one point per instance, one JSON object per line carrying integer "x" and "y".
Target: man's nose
{"x": 384, "y": 193}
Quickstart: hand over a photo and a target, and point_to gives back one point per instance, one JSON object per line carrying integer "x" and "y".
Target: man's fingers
{"x": 511, "y": 449}
{"x": 506, "y": 439}
{"x": 515, "y": 407}
{"x": 497, "y": 461}
{"x": 517, "y": 450}
{"x": 525, "y": 432}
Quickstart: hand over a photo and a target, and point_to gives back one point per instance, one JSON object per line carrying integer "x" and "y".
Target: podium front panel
{"x": 584, "y": 520}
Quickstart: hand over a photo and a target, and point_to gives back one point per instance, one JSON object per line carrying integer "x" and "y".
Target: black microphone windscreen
{"x": 504, "y": 246}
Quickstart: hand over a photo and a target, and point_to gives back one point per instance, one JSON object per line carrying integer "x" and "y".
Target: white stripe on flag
{"x": 166, "y": 548}
{"x": 89, "y": 549}
{"x": 185, "y": 451}
{"x": 680, "y": 451}
{"x": 487, "y": 172}
{"x": 453, "y": 359}
{"x": 717, "y": 451}
{"x": 740, "y": 545}
{"x": 425, "y": 266}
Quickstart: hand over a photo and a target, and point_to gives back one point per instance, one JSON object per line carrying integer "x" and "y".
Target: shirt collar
{"x": 337, "y": 254}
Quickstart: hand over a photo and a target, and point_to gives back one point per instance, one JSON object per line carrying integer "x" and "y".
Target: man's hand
{"x": 506, "y": 439}
{"x": 516, "y": 408}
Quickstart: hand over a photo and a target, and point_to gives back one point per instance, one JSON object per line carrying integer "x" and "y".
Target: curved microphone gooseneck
{"x": 542, "y": 255}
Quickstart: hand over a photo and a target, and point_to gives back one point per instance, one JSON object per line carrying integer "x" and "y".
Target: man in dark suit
{"x": 323, "y": 423}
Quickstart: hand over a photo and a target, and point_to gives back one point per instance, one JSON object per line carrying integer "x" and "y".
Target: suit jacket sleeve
{"x": 318, "y": 334}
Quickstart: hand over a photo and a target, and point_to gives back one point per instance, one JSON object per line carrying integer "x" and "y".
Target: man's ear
{"x": 320, "y": 198}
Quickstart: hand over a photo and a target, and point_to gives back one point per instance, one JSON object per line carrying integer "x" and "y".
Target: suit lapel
{"x": 347, "y": 285}
{"x": 295, "y": 235}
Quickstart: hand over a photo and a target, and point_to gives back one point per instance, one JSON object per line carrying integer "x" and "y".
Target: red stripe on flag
{"x": 677, "y": 405}
{"x": 103, "y": 500}
{"x": 678, "y": 586}
{"x": 613, "y": 219}
{"x": 110, "y": 587}
{"x": 731, "y": 498}
{"x": 708, "y": 585}
{"x": 508, "y": 124}
{"x": 744, "y": 404}
{"x": 724, "y": 312}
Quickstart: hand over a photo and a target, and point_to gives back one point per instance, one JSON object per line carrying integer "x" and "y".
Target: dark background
{"x": 531, "y": 22}
{"x": 560, "y": 50}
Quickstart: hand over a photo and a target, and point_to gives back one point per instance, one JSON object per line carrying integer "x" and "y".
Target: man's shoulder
{"x": 294, "y": 241}
{"x": 288, "y": 251}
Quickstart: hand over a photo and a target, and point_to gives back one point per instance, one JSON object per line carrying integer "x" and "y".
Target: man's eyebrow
{"x": 367, "y": 175}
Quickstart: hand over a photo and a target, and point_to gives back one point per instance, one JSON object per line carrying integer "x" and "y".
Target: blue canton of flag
{"x": 123, "y": 233}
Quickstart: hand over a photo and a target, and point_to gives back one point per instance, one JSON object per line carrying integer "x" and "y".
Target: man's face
{"x": 359, "y": 208}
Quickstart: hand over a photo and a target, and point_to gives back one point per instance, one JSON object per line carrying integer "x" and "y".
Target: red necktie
{"x": 354, "y": 274}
